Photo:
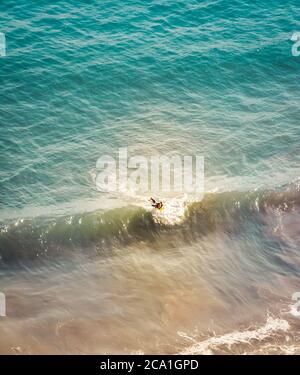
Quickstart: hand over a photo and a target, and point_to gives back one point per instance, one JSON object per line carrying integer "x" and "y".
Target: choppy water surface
{"x": 87, "y": 272}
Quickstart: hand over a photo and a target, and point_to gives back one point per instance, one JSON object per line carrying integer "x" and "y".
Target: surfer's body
{"x": 155, "y": 204}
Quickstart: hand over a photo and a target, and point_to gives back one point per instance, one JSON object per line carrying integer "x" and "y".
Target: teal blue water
{"x": 215, "y": 78}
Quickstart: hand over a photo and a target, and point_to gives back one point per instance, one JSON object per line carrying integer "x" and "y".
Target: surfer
{"x": 158, "y": 205}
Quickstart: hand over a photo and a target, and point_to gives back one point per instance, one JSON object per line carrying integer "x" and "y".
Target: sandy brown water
{"x": 160, "y": 297}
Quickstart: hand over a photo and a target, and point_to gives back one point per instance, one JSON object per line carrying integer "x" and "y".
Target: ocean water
{"x": 91, "y": 272}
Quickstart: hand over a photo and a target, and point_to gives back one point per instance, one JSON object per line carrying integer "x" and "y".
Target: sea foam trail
{"x": 208, "y": 346}
{"x": 173, "y": 211}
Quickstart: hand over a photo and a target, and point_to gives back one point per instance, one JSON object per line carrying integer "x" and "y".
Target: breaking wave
{"x": 225, "y": 212}
{"x": 26, "y": 239}
{"x": 215, "y": 344}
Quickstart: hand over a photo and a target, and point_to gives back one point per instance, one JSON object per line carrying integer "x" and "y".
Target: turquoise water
{"x": 213, "y": 78}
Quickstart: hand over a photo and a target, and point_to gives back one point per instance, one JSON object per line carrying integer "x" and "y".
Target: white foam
{"x": 173, "y": 212}
{"x": 207, "y": 346}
